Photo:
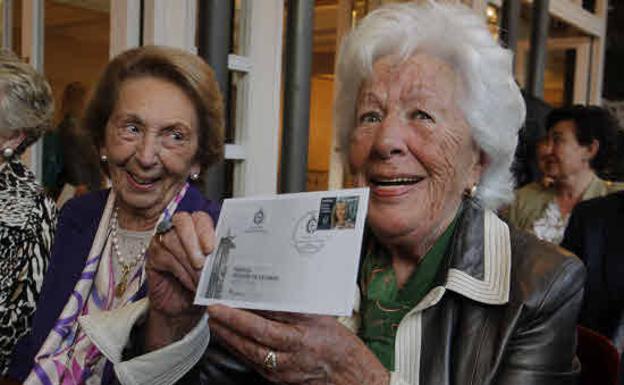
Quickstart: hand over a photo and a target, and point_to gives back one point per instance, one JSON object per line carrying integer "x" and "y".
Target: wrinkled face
{"x": 412, "y": 146}
{"x": 151, "y": 141}
{"x": 567, "y": 155}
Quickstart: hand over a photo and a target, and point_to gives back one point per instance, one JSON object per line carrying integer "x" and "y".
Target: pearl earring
{"x": 194, "y": 176}
{"x": 7, "y": 153}
{"x": 103, "y": 159}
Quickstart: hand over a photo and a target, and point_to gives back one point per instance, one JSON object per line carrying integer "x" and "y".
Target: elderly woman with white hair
{"x": 450, "y": 294}
{"x": 27, "y": 216}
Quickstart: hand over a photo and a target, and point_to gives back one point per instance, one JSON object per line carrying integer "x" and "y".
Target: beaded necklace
{"x": 126, "y": 265}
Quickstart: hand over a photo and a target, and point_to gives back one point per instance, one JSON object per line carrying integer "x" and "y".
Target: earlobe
{"x": 479, "y": 163}
{"x": 16, "y": 139}
{"x": 195, "y": 171}
{"x": 478, "y": 167}
{"x": 593, "y": 149}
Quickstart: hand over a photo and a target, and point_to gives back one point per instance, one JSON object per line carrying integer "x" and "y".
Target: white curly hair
{"x": 26, "y": 101}
{"x": 490, "y": 99}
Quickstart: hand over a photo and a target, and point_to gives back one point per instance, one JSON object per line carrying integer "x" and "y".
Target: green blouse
{"x": 384, "y": 304}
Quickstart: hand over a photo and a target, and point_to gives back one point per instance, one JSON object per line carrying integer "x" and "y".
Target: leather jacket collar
{"x": 479, "y": 265}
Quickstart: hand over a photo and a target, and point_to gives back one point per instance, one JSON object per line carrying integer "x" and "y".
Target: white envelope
{"x": 290, "y": 252}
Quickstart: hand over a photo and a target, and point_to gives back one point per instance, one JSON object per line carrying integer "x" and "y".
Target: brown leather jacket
{"x": 504, "y": 313}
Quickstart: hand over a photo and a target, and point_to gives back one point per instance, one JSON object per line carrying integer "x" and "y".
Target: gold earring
{"x": 471, "y": 192}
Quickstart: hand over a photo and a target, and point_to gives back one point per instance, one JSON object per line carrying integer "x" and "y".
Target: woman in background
{"x": 71, "y": 166}
{"x": 580, "y": 140}
{"x": 27, "y": 216}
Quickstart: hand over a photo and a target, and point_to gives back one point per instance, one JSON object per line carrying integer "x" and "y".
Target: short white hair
{"x": 490, "y": 98}
{"x": 26, "y": 102}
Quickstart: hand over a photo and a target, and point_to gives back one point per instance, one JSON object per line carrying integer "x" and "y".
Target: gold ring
{"x": 270, "y": 360}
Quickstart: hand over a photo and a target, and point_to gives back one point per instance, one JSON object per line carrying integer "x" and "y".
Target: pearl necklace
{"x": 126, "y": 266}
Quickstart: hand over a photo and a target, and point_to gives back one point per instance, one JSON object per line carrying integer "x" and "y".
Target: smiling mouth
{"x": 389, "y": 182}
{"x": 142, "y": 182}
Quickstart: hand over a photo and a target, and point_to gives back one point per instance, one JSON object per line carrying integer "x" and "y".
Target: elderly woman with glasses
{"x": 428, "y": 113}
{"x": 27, "y": 216}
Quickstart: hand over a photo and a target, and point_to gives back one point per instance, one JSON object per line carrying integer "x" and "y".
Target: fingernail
{"x": 198, "y": 260}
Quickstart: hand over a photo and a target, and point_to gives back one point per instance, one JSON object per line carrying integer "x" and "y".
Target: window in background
{"x": 239, "y": 65}
{"x": 254, "y": 62}
{"x": 559, "y": 77}
{"x": 568, "y": 61}
{"x": 321, "y": 94}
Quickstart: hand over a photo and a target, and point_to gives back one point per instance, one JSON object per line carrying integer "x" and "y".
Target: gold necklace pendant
{"x": 120, "y": 289}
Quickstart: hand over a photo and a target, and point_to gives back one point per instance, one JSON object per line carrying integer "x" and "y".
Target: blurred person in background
{"x": 594, "y": 233}
{"x": 70, "y": 161}
{"x": 581, "y": 141}
{"x": 27, "y": 216}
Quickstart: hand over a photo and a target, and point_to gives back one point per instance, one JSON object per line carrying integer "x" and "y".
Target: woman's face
{"x": 545, "y": 162}
{"x": 412, "y": 146}
{"x": 567, "y": 155}
{"x": 151, "y": 141}
{"x": 341, "y": 212}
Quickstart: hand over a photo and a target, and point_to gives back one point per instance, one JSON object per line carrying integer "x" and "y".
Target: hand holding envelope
{"x": 306, "y": 349}
{"x": 176, "y": 258}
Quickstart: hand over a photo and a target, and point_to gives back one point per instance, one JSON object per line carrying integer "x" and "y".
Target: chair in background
{"x": 599, "y": 358}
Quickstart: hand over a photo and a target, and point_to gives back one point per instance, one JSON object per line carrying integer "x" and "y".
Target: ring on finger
{"x": 270, "y": 360}
{"x": 163, "y": 227}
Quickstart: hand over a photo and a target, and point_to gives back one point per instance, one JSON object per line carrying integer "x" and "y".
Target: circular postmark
{"x": 305, "y": 237}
